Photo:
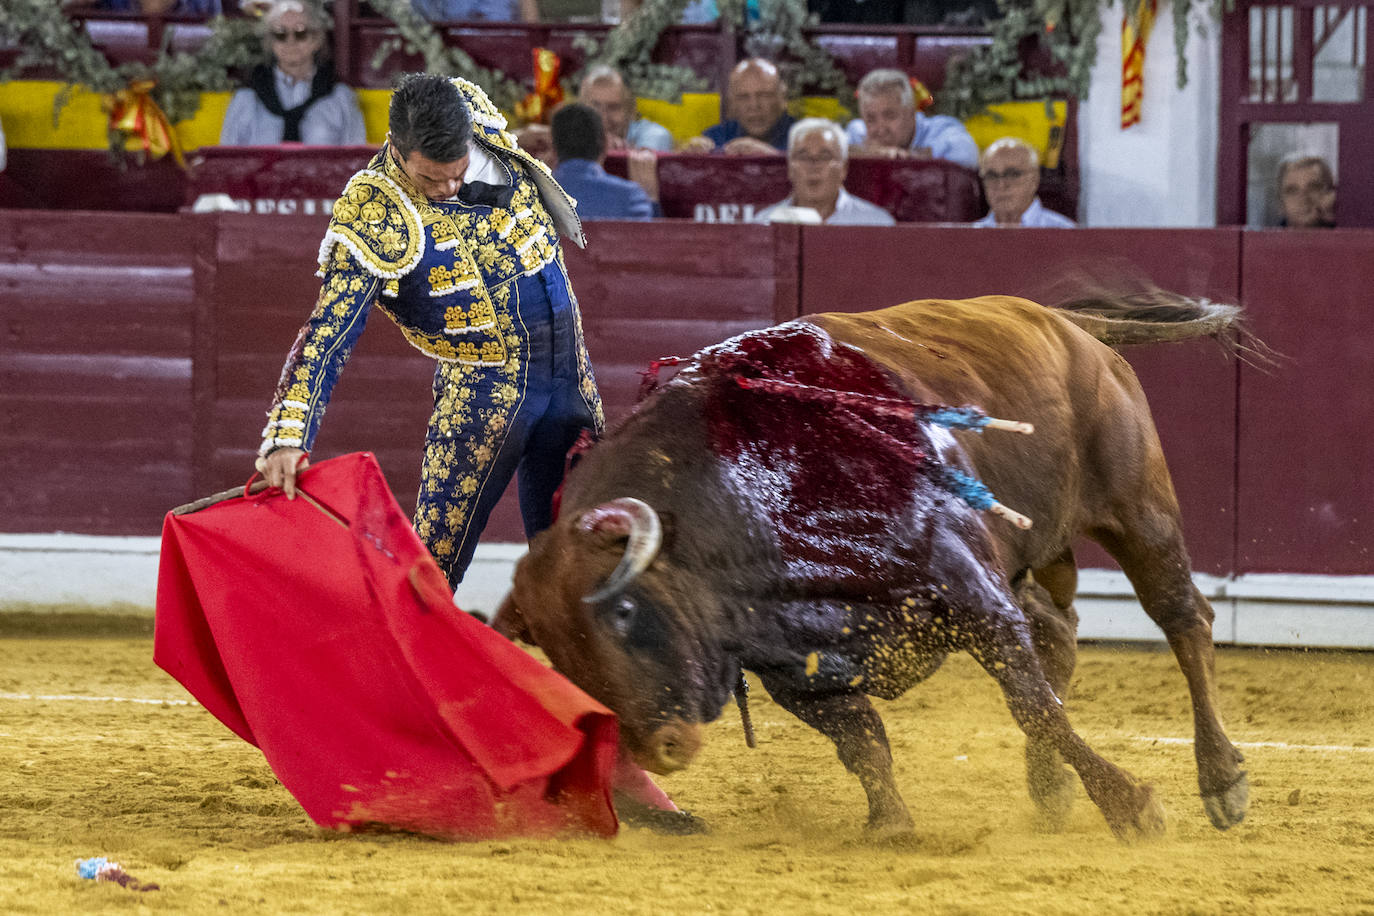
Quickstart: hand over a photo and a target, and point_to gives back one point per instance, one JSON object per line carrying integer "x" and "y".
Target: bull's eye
{"x": 622, "y": 614}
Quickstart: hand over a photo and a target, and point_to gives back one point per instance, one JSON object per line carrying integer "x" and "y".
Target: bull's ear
{"x": 509, "y": 622}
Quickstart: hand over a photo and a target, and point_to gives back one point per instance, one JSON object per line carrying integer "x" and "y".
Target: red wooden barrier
{"x": 97, "y": 312}
{"x": 1306, "y": 492}
{"x": 138, "y": 354}
{"x": 645, "y": 290}
{"x": 1191, "y": 386}
{"x": 279, "y": 179}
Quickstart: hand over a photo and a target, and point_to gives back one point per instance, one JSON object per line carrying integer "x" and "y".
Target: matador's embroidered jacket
{"x": 442, "y": 271}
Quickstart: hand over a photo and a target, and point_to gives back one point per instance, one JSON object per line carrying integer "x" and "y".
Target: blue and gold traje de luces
{"x": 441, "y": 269}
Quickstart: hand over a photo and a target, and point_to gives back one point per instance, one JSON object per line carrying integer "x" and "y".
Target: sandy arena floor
{"x": 171, "y": 794}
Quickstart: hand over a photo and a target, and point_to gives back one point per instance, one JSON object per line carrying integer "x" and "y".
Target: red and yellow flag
{"x": 134, "y": 114}
{"x": 536, "y": 107}
{"x": 1135, "y": 32}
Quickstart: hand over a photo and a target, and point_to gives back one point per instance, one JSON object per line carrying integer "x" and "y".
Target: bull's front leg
{"x": 849, "y": 720}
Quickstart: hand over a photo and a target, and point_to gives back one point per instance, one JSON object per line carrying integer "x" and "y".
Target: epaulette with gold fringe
{"x": 375, "y": 221}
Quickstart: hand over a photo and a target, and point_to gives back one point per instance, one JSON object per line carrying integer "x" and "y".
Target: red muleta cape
{"x": 325, "y": 634}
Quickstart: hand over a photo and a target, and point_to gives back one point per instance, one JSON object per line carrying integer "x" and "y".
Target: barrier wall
{"x": 138, "y": 353}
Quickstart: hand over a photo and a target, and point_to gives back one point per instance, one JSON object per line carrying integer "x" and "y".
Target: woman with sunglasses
{"x": 296, "y": 99}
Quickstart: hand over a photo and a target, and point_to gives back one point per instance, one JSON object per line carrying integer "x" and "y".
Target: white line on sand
{"x": 1276, "y": 745}
{"x": 1146, "y": 739}
{"x": 66, "y": 697}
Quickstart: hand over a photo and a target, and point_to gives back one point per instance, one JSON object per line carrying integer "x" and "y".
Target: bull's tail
{"x": 1154, "y": 317}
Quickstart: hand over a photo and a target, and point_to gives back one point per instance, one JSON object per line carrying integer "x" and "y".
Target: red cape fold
{"x": 334, "y": 646}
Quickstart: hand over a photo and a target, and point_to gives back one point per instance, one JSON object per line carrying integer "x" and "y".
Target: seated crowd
{"x": 293, "y": 96}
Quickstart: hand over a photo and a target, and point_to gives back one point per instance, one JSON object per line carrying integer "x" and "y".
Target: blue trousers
{"x": 490, "y": 423}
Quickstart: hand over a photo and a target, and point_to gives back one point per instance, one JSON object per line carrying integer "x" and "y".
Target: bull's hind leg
{"x": 1002, "y": 645}
{"x": 1153, "y": 557}
{"x": 849, "y": 720}
{"x": 1047, "y": 601}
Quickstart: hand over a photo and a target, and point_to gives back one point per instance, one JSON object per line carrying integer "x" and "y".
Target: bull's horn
{"x": 639, "y": 521}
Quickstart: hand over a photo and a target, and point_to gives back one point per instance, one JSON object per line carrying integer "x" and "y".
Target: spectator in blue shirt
{"x": 604, "y": 89}
{"x": 890, "y": 125}
{"x": 579, "y": 142}
{"x": 1010, "y": 172}
{"x": 756, "y": 101}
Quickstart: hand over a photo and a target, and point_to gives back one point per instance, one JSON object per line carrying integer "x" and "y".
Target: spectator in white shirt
{"x": 1010, "y": 172}
{"x": 817, "y": 162}
{"x": 296, "y": 99}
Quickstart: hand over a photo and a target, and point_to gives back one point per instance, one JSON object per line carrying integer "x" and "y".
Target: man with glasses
{"x": 1010, "y": 172}
{"x": 296, "y": 99}
{"x": 817, "y": 162}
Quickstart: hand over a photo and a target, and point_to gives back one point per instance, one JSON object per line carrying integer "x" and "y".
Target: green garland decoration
{"x": 778, "y": 35}
{"x": 628, "y": 47}
{"x": 50, "y": 40}
{"x": 1068, "y": 30}
{"x": 419, "y": 36}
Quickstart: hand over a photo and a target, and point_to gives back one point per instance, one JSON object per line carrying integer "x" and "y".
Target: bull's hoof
{"x": 1147, "y": 823}
{"x": 1227, "y": 808}
{"x": 1052, "y": 811}
{"x": 892, "y": 836}
{"x": 891, "y": 831}
{"x": 1054, "y": 800}
{"x": 659, "y": 820}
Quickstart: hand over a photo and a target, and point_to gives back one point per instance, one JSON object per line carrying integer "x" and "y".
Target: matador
{"x": 453, "y": 231}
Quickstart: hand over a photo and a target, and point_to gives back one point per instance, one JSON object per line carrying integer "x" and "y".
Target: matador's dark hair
{"x": 429, "y": 116}
{"x": 578, "y": 132}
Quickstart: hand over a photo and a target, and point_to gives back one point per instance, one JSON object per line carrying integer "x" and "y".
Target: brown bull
{"x": 770, "y": 509}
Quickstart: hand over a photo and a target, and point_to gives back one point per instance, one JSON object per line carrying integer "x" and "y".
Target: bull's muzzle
{"x": 672, "y": 747}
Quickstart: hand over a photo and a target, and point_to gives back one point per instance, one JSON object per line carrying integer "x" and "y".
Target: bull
{"x": 772, "y": 509}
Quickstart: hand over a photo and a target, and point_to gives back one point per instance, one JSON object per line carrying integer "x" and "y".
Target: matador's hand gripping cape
{"x": 440, "y": 269}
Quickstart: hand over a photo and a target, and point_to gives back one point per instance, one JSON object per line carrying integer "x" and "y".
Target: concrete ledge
{"x": 1270, "y": 609}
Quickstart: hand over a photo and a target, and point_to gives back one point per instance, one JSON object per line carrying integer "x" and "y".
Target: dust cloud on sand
{"x": 173, "y": 796}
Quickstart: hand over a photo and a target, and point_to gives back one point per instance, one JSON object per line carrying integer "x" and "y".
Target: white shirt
{"x": 482, "y": 166}
{"x": 849, "y": 211}
{"x": 334, "y": 120}
{"x": 1037, "y": 216}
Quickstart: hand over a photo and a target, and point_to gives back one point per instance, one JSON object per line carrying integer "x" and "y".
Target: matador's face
{"x": 435, "y": 180}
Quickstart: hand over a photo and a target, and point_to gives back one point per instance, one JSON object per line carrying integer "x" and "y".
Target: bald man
{"x": 1010, "y": 172}
{"x": 756, "y": 101}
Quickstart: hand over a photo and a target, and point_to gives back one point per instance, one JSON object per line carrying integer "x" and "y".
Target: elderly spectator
{"x": 579, "y": 142}
{"x": 756, "y": 101}
{"x": 604, "y": 89}
{"x": 296, "y": 99}
{"x": 817, "y": 162}
{"x": 477, "y": 10}
{"x": 1307, "y": 193}
{"x": 889, "y": 124}
{"x": 1011, "y": 175}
